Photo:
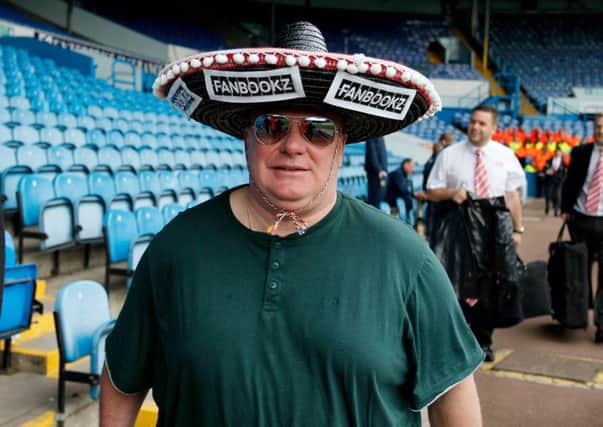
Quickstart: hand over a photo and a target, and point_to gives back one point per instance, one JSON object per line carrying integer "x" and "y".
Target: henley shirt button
{"x": 273, "y": 284}
{"x": 276, "y": 265}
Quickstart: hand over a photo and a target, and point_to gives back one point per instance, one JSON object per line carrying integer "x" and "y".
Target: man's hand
{"x": 517, "y": 238}
{"x": 459, "y": 196}
{"x": 420, "y": 195}
{"x": 382, "y": 174}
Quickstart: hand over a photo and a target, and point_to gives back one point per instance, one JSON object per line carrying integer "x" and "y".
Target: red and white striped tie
{"x": 594, "y": 189}
{"x": 482, "y": 189}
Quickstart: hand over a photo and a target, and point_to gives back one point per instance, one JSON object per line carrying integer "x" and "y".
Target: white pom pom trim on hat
{"x": 353, "y": 64}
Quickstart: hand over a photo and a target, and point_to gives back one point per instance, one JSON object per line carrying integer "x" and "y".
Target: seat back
{"x": 81, "y": 307}
{"x": 10, "y": 256}
{"x": 149, "y": 220}
{"x": 101, "y": 184}
{"x": 70, "y": 185}
{"x": 121, "y": 230}
{"x": 18, "y": 295}
{"x": 126, "y": 182}
{"x": 170, "y": 211}
{"x": 33, "y": 192}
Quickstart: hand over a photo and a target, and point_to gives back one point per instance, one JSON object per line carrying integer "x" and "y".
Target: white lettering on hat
{"x": 366, "y": 96}
{"x": 182, "y": 98}
{"x": 254, "y": 86}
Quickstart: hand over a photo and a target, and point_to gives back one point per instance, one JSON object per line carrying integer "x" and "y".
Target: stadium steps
{"x": 526, "y": 107}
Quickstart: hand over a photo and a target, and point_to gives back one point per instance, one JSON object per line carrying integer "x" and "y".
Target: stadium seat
{"x": 24, "y": 134}
{"x": 82, "y": 322}
{"x": 51, "y": 136}
{"x": 18, "y": 294}
{"x": 96, "y": 138}
{"x": 109, "y": 158}
{"x": 130, "y": 159}
{"x": 74, "y": 137}
{"x": 170, "y": 211}
{"x": 148, "y": 159}
{"x": 120, "y": 230}
{"x": 43, "y": 216}
{"x": 60, "y": 157}
{"x": 84, "y": 160}
{"x": 149, "y": 220}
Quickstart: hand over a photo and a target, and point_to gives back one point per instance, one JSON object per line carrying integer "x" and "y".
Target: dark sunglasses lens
{"x": 270, "y": 128}
{"x": 319, "y": 130}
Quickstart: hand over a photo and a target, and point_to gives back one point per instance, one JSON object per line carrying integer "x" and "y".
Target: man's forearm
{"x": 440, "y": 194}
{"x": 514, "y": 204}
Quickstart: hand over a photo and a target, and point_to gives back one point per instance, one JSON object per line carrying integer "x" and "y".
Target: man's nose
{"x": 294, "y": 142}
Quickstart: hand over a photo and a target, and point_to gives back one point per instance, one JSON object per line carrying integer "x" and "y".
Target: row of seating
{"x": 77, "y": 137}
{"x": 109, "y": 157}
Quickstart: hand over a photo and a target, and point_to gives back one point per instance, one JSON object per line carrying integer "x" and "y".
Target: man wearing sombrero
{"x": 284, "y": 302}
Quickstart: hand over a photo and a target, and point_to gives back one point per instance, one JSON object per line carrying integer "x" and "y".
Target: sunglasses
{"x": 272, "y": 128}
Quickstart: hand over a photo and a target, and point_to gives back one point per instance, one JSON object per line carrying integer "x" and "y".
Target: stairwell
{"x": 526, "y": 107}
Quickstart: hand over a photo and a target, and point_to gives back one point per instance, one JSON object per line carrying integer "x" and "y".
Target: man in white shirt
{"x": 479, "y": 169}
{"x": 582, "y": 208}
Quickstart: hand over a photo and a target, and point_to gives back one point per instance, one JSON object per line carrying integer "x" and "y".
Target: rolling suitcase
{"x": 536, "y": 295}
{"x": 568, "y": 280}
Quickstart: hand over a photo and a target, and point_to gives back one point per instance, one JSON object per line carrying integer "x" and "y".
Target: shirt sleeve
{"x": 437, "y": 176}
{"x": 516, "y": 177}
{"x": 130, "y": 348}
{"x": 442, "y": 349}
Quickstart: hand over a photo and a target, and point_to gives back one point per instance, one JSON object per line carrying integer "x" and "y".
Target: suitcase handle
{"x": 560, "y": 235}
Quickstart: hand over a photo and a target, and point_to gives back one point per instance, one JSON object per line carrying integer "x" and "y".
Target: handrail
{"x": 149, "y": 64}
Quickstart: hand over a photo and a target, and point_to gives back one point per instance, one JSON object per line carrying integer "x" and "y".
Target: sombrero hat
{"x": 374, "y": 97}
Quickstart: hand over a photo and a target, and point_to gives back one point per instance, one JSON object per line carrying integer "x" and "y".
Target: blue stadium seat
{"x": 18, "y": 294}
{"x": 19, "y": 102}
{"x": 101, "y": 184}
{"x": 149, "y": 181}
{"x": 32, "y": 156}
{"x": 197, "y": 159}
{"x": 170, "y": 211}
{"x": 10, "y": 254}
{"x": 166, "y": 158}
{"x": 130, "y": 159}
{"x": 66, "y": 121}
{"x": 96, "y": 138}
{"x": 182, "y": 159}
{"x": 74, "y": 137}
{"x": 86, "y": 123}
{"x": 82, "y": 322}
{"x": 115, "y": 137}
{"x": 38, "y": 206}
{"x": 109, "y": 158}
{"x": 148, "y": 159}
{"x": 22, "y": 117}
{"x": 208, "y": 178}
{"x": 149, "y": 220}
{"x": 7, "y": 158}
{"x": 6, "y": 135}
{"x": 89, "y": 209}
{"x": 120, "y": 230}
{"x": 132, "y": 139}
{"x": 61, "y": 157}
{"x": 128, "y": 186}
{"x": 51, "y": 136}
{"x": 84, "y": 159}
{"x": 148, "y": 140}
{"x": 25, "y": 134}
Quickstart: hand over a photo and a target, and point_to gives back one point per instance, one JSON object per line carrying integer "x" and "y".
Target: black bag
{"x": 568, "y": 280}
{"x": 536, "y": 300}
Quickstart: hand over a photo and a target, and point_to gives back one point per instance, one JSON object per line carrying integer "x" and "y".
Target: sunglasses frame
{"x": 299, "y": 121}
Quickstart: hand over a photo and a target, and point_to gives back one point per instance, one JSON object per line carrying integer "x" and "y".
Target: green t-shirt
{"x": 352, "y": 324}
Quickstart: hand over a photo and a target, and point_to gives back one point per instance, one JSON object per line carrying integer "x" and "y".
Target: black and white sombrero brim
{"x": 375, "y": 97}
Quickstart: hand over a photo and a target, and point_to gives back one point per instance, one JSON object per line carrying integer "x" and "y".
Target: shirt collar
{"x": 473, "y": 148}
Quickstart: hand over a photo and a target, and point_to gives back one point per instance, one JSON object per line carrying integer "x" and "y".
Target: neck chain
{"x": 301, "y": 226}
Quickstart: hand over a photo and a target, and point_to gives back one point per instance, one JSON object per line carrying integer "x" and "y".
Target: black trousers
{"x": 553, "y": 195}
{"x": 480, "y": 320}
{"x": 589, "y": 229}
{"x": 376, "y": 191}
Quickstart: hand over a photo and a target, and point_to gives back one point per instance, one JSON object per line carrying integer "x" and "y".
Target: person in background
{"x": 480, "y": 169}
{"x": 375, "y": 165}
{"x": 400, "y": 185}
{"x": 284, "y": 302}
{"x": 443, "y": 141}
{"x": 555, "y": 174}
{"x": 582, "y": 209}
